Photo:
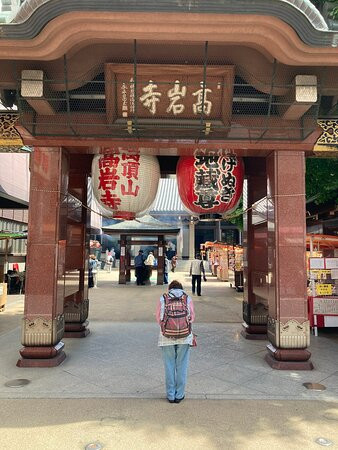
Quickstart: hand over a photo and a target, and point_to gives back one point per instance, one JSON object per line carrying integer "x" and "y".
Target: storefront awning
{"x": 168, "y": 201}
{"x": 13, "y": 235}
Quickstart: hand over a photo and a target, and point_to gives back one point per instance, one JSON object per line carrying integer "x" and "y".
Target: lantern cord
{"x": 264, "y": 199}
{"x": 51, "y": 191}
{"x": 231, "y": 216}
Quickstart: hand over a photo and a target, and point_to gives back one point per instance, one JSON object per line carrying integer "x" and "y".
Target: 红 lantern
{"x": 210, "y": 184}
{"x": 125, "y": 184}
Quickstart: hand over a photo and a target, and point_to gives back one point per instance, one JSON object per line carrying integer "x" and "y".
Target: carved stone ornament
{"x": 291, "y": 334}
{"x": 271, "y": 331}
{"x": 327, "y": 143}
{"x": 330, "y": 132}
{"x": 10, "y": 139}
{"x": 259, "y": 314}
{"x": 41, "y": 331}
{"x": 255, "y": 314}
{"x": 246, "y": 311}
{"x": 76, "y": 312}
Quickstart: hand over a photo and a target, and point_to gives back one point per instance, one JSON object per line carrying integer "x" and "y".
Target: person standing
{"x": 173, "y": 263}
{"x": 175, "y": 351}
{"x": 166, "y": 270}
{"x": 93, "y": 265}
{"x": 139, "y": 268}
{"x": 109, "y": 262}
{"x": 171, "y": 249}
{"x": 90, "y": 273}
{"x": 113, "y": 255}
{"x": 149, "y": 262}
{"x": 196, "y": 271}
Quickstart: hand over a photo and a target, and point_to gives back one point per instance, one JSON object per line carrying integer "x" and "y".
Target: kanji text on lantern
{"x": 214, "y": 181}
{"x": 118, "y": 177}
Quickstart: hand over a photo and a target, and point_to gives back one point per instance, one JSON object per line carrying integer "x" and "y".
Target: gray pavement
{"x": 110, "y": 388}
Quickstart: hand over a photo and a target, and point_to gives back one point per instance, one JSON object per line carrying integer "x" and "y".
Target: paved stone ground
{"x": 122, "y": 424}
{"x": 110, "y": 388}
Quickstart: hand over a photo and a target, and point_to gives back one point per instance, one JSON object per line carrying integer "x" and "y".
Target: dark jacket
{"x": 139, "y": 261}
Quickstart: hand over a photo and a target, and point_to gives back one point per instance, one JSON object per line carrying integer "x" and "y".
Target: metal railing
{"x": 80, "y": 107}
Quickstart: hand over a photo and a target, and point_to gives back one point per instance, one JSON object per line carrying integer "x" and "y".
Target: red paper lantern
{"x": 210, "y": 184}
{"x": 124, "y": 184}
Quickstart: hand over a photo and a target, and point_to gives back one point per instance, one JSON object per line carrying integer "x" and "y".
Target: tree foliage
{"x": 236, "y": 217}
{"x": 333, "y": 12}
{"x": 321, "y": 179}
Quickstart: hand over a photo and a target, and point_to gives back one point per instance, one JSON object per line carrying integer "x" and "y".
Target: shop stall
{"x": 322, "y": 281}
{"x": 217, "y": 256}
{"x": 235, "y": 263}
{"x": 12, "y": 281}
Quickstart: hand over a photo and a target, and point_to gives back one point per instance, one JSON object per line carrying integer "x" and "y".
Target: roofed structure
{"x": 146, "y": 225}
{"x": 168, "y": 201}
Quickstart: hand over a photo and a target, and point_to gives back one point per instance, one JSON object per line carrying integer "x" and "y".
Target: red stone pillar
{"x": 77, "y": 253}
{"x": 43, "y": 322}
{"x": 123, "y": 250}
{"x": 255, "y": 304}
{"x": 288, "y": 324}
{"x": 128, "y": 263}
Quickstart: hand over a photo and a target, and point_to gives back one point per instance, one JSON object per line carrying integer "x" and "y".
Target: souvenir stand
{"x": 217, "y": 256}
{"x": 322, "y": 269}
{"x": 4, "y": 279}
{"x": 204, "y": 251}
{"x": 231, "y": 265}
{"x": 222, "y": 271}
{"x": 210, "y": 256}
{"x": 235, "y": 263}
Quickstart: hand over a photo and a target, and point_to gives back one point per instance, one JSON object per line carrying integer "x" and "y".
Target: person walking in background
{"x": 166, "y": 270}
{"x": 113, "y": 255}
{"x": 109, "y": 262}
{"x": 196, "y": 271}
{"x": 139, "y": 268}
{"x": 173, "y": 262}
{"x": 93, "y": 266}
{"x": 149, "y": 262}
{"x": 171, "y": 249}
{"x": 90, "y": 273}
{"x": 176, "y": 348}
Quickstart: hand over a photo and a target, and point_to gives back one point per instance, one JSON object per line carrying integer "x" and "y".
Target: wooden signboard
{"x": 169, "y": 93}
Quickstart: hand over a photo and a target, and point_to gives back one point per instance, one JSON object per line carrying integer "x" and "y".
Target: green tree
{"x": 321, "y": 179}
{"x": 236, "y": 217}
{"x": 321, "y": 182}
{"x": 333, "y": 14}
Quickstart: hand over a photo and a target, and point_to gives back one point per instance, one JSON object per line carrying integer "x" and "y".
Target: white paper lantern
{"x": 125, "y": 184}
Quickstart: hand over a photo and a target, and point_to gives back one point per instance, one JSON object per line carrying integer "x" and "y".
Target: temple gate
{"x": 189, "y": 79}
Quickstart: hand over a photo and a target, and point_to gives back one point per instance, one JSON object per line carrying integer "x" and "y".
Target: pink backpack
{"x": 176, "y": 323}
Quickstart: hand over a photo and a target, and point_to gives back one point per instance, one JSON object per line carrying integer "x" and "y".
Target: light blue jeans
{"x": 176, "y": 360}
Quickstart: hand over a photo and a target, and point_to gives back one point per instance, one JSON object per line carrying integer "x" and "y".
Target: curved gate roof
{"x": 301, "y": 15}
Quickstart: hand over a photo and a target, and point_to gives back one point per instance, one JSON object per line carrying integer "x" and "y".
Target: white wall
{"x": 8, "y": 9}
{"x": 14, "y": 175}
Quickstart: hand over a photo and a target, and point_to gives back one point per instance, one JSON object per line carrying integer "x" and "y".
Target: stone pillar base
{"x": 50, "y": 356}
{"x": 254, "y": 332}
{"x": 76, "y": 330}
{"x": 288, "y": 359}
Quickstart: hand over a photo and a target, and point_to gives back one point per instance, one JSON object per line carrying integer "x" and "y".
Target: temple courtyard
{"x": 110, "y": 389}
